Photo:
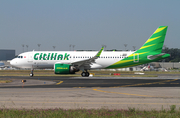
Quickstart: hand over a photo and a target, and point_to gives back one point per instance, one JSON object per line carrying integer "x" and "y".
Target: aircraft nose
{"x": 12, "y": 62}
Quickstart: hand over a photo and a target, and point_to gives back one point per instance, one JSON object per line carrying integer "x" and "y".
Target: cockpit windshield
{"x": 19, "y": 56}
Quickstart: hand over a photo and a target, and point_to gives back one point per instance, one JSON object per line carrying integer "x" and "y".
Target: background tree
{"x": 174, "y": 52}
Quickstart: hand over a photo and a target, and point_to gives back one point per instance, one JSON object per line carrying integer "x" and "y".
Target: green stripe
{"x": 153, "y": 46}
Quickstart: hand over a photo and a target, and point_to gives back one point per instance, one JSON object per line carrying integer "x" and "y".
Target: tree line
{"x": 174, "y": 52}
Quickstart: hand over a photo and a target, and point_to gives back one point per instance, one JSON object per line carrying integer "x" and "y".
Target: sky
{"x": 86, "y": 24}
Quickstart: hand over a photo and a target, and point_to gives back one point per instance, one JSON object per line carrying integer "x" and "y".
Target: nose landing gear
{"x": 31, "y": 74}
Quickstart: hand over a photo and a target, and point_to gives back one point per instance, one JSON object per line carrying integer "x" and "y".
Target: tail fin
{"x": 155, "y": 42}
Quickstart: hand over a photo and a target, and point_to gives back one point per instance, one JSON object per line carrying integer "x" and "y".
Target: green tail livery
{"x": 151, "y": 51}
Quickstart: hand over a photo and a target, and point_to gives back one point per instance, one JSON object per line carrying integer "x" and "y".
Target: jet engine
{"x": 60, "y": 68}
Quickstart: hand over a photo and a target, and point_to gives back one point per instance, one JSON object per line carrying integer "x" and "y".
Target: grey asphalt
{"x": 29, "y": 82}
{"x": 88, "y": 93}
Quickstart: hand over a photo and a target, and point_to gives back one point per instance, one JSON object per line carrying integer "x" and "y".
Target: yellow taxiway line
{"x": 60, "y": 82}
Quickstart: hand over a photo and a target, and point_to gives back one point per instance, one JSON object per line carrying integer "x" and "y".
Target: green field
{"x": 89, "y": 113}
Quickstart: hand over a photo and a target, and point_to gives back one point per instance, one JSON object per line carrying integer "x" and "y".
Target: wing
{"x": 88, "y": 62}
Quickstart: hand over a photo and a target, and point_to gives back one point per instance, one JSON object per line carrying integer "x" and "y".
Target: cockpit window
{"x": 19, "y": 56}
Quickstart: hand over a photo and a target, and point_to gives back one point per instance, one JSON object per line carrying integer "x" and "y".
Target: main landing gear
{"x": 85, "y": 74}
{"x": 31, "y": 74}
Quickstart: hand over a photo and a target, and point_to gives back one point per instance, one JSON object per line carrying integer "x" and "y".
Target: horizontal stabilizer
{"x": 151, "y": 57}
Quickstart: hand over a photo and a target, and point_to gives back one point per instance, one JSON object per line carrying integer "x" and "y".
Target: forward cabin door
{"x": 30, "y": 57}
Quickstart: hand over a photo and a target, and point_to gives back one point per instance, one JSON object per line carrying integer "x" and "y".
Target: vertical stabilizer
{"x": 149, "y": 52}
{"x": 155, "y": 42}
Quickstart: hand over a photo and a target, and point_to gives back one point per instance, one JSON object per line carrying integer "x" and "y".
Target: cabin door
{"x": 136, "y": 57}
{"x": 30, "y": 57}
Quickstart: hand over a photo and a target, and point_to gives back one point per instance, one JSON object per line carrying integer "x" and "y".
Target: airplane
{"x": 69, "y": 62}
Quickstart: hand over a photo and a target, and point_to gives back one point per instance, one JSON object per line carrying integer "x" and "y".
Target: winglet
{"x": 99, "y": 53}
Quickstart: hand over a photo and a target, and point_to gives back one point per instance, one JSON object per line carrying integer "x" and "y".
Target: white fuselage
{"x": 47, "y": 59}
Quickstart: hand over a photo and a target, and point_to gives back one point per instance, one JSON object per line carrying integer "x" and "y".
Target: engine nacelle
{"x": 60, "y": 68}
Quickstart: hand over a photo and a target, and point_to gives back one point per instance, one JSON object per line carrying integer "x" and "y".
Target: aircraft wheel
{"x": 31, "y": 75}
{"x": 87, "y": 74}
{"x": 83, "y": 74}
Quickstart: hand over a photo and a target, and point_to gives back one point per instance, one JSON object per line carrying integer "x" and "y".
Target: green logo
{"x": 51, "y": 56}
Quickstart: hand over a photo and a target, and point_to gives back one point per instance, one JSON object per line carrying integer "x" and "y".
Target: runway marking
{"x": 123, "y": 93}
{"x": 60, "y": 82}
{"x": 88, "y": 102}
{"x": 161, "y": 82}
{"x": 79, "y": 87}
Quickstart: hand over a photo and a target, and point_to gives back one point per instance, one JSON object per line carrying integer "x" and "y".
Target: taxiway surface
{"x": 79, "y": 82}
{"x": 93, "y": 92}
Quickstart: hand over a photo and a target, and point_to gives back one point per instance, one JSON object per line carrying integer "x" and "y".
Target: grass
{"x": 5, "y": 81}
{"x": 96, "y": 72}
{"x": 88, "y": 113}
